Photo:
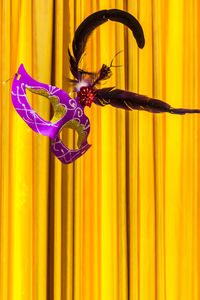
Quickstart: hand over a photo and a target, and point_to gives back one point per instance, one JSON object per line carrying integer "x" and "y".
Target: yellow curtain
{"x": 122, "y": 222}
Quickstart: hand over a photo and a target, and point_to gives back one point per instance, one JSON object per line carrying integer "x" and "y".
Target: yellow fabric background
{"x": 122, "y": 222}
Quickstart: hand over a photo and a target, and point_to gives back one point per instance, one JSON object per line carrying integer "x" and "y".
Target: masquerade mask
{"x": 67, "y": 113}
{"x": 70, "y": 112}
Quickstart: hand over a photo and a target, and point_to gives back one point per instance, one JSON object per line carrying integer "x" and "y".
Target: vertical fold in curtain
{"x": 5, "y": 145}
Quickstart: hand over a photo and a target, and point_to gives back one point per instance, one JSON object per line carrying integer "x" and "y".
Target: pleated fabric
{"x": 122, "y": 222}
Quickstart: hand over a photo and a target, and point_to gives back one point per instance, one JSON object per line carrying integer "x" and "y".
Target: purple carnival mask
{"x": 67, "y": 113}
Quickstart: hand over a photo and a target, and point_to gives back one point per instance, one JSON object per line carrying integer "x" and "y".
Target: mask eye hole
{"x": 58, "y": 110}
{"x": 73, "y": 135}
{"x": 69, "y": 137}
{"x": 41, "y": 105}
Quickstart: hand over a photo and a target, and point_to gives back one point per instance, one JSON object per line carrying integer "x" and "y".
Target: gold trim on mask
{"x": 74, "y": 124}
{"x": 59, "y": 109}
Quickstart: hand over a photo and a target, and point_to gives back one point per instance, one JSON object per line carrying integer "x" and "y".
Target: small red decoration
{"x": 86, "y": 95}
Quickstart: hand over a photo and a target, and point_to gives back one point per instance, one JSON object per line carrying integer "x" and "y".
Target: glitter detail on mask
{"x": 59, "y": 109}
{"x": 86, "y": 95}
{"x": 74, "y": 124}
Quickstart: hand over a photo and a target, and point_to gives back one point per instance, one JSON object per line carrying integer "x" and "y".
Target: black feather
{"x": 129, "y": 101}
{"x": 93, "y": 21}
{"x": 130, "y": 21}
{"x": 73, "y": 65}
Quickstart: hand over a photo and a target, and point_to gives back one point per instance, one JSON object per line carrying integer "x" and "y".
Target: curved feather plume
{"x": 93, "y": 21}
{"x": 129, "y": 101}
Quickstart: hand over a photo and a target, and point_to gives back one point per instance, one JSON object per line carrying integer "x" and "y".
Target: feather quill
{"x": 130, "y": 101}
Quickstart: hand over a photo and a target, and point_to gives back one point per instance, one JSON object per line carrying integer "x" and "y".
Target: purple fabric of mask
{"x": 71, "y": 111}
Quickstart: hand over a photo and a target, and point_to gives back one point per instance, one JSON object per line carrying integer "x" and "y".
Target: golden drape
{"x": 122, "y": 222}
